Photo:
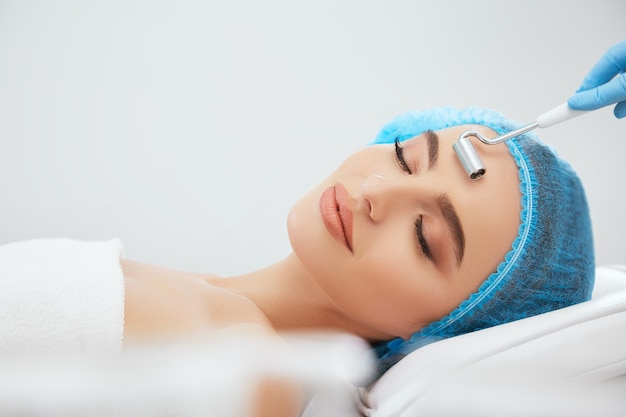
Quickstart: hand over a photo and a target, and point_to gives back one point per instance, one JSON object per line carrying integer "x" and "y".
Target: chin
{"x": 307, "y": 234}
{"x": 293, "y": 219}
{"x": 298, "y": 225}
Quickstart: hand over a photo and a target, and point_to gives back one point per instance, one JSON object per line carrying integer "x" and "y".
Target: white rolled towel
{"x": 61, "y": 295}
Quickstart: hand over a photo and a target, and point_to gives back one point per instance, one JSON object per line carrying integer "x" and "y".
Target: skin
{"x": 383, "y": 285}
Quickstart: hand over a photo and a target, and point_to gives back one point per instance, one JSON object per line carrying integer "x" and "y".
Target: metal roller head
{"x": 467, "y": 155}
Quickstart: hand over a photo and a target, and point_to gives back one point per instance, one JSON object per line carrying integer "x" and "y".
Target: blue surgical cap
{"x": 551, "y": 261}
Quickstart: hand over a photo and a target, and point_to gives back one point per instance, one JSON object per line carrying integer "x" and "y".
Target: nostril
{"x": 370, "y": 209}
{"x": 371, "y": 195}
{"x": 363, "y": 205}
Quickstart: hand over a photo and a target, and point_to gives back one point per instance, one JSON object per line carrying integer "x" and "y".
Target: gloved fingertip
{"x": 581, "y": 89}
{"x": 588, "y": 83}
{"x": 620, "y": 110}
{"x": 574, "y": 102}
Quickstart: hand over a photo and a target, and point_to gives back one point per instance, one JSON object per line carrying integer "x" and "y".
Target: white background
{"x": 189, "y": 128}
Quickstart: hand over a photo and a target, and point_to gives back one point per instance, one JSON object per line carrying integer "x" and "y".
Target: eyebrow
{"x": 454, "y": 225}
{"x": 443, "y": 201}
{"x": 433, "y": 148}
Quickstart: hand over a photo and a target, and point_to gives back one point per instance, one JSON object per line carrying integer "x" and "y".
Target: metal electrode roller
{"x": 469, "y": 157}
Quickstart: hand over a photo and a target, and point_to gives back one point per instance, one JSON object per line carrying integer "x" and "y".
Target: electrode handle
{"x": 558, "y": 114}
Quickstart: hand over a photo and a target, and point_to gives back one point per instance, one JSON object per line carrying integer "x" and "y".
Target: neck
{"x": 290, "y": 299}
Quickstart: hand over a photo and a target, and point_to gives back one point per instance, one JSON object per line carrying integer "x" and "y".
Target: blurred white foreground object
{"x": 212, "y": 377}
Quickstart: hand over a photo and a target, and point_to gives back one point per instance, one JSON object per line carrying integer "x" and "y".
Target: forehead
{"x": 490, "y": 207}
{"x": 498, "y": 155}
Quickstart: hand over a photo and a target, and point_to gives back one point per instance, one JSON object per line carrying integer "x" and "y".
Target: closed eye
{"x": 400, "y": 157}
{"x": 422, "y": 240}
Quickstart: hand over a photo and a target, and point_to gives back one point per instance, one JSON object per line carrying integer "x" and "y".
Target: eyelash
{"x": 400, "y": 157}
{"x": 419, "y": 222}
{"x": 422, "y": 241}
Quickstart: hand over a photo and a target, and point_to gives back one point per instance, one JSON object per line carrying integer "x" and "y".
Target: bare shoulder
{"x": 161, "y": 302}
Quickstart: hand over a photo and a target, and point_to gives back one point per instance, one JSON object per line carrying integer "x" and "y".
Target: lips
{"x": 336, "y": 214}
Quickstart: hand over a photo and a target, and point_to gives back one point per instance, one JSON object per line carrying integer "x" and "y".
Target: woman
{"x": 399, "y": 245}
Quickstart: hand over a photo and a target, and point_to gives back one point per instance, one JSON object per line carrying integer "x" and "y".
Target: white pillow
{"x": 567, "y": 362}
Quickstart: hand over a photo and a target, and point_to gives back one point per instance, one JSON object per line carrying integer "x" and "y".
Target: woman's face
{"x": 397, "y": 243}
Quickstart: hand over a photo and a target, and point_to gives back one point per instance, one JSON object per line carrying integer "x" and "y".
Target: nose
{"x": 385, "y": 195}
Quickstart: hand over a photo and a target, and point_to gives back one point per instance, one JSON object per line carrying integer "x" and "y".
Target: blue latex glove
{"x": 605, "y": 84}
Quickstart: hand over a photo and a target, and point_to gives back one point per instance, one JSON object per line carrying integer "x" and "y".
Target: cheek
{"x": 302, "y": 228}
{"x": 387, "y": 289}
{"x": 400, "y": 288}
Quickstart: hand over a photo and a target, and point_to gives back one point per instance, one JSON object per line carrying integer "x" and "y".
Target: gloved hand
{"x": 605, "y": 84}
